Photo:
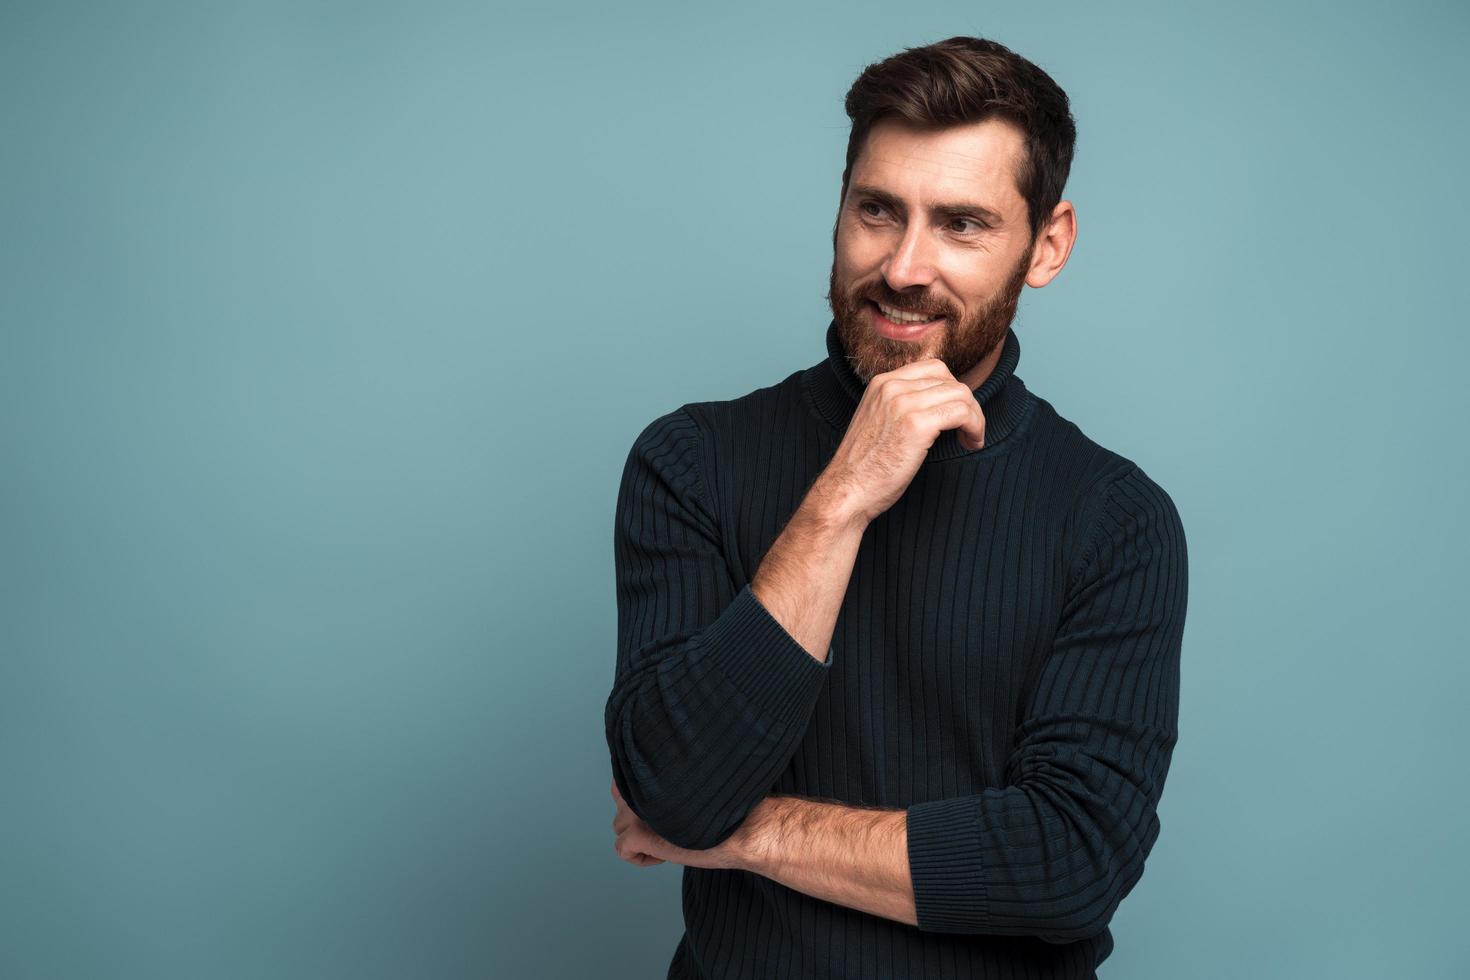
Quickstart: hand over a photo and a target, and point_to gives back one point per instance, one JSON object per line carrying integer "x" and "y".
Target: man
{"x": 898, "y": 646}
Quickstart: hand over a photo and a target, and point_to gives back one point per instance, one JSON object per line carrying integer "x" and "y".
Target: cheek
{"x": 970, "y": 289}
{"x": 857, "y": 267}
{"x": 859, "y": 250}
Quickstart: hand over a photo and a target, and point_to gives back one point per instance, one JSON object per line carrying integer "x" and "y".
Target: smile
{"x": 903, "y": 317}
{"x": 898, "y": 325}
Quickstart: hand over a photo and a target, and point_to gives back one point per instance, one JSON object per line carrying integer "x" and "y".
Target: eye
{"x": 877, "y": 211}
{"x": 977, "y": 226}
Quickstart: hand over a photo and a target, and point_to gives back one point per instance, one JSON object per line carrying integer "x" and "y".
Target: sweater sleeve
{"x": 1053, "y": 852}
{"x": 711, "y": 695}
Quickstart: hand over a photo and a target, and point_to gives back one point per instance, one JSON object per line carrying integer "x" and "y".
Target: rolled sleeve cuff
{"x": 763, "y": 660}
{"x": 944, "y": 865}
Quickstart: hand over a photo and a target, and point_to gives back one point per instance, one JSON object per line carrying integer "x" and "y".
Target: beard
{"x": 959, "y": 345}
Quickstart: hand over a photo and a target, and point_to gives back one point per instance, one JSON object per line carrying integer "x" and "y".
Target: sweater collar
{"x": 835, "y": 391}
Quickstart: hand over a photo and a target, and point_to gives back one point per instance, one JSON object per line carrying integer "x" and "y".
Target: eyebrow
{"x": 952, "y": 209}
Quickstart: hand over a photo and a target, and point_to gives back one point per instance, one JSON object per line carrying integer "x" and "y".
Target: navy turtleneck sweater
{"x": 1004, "y": 668}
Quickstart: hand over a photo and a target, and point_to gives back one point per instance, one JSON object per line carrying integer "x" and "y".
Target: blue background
{"x": 326, "y": 331}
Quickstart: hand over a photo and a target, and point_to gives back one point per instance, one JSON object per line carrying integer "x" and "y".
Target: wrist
{"x": 832, "y": 506}
{"x": 756, "y": 841}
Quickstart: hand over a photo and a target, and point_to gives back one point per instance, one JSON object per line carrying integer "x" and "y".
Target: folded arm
{"x": 1053, "y": 852}
{"x": 712, "y": 695}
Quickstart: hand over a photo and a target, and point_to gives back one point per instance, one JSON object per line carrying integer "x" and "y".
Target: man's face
{"x": 931, "y": 223}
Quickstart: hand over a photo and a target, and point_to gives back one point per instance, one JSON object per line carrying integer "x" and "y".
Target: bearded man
{"x": 898, "y": 645}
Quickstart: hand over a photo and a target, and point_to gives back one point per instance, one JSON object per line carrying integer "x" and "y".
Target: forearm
{"x": 804, "y": 575}
{"x": 852, "y": 856}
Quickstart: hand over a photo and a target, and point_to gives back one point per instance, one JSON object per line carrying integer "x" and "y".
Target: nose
{"x": 911, "y": 263}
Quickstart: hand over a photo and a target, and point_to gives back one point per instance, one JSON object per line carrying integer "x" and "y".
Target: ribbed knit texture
{"x": 1005, "y": 668}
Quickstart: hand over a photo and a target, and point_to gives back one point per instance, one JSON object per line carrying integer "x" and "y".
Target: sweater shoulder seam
{"x": 701, "y": 485}
{"x": 1094, "y": 531}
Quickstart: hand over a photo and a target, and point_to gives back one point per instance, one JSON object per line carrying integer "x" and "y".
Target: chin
{"x": 882, "y": 354}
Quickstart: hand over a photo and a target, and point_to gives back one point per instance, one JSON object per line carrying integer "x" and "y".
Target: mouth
{"x": 896, "y": 314}
{"x": 897, "y": 324}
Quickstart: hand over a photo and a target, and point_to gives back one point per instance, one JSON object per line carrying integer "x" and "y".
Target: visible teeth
{"x": 898, "y": 316}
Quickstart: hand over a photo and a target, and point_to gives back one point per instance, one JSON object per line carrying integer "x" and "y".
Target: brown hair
{"x": 965, "y": 80}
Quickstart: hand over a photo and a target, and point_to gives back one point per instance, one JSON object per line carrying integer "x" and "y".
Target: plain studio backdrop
{"x": 327, "y": 329}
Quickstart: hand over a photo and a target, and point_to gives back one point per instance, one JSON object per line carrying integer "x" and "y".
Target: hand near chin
{"x": 900, "y": 415}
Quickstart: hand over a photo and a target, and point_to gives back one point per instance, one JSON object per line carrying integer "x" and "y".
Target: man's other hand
{"x": 637, "y": 844}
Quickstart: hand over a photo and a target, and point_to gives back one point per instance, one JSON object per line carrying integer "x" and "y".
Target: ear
{"x": 1053, "y": 245}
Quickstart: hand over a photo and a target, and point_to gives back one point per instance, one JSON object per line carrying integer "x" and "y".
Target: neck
{"x": 835, "y": 390}
{"x": 984, "y": 368}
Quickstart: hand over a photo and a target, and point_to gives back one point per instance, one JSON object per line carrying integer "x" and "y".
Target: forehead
{"x": 974, "y": 160}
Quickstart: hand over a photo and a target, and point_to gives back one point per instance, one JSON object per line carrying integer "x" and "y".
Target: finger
{"x": 924, "y": 367}
{"x": 623, "y": 848}
{"x": 924, "y": 397}
{"x": 972, "y": 432}
{"x": 899, "y": 386}
{"x": 968, "y": 419}
{"x": 949, "y": 410}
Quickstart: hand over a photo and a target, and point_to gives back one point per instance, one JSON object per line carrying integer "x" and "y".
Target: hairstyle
{"x": 966, "y": 80}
